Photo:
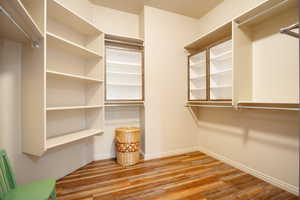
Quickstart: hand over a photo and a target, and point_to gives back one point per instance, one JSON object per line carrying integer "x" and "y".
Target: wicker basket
{"x": 127, "y": 145}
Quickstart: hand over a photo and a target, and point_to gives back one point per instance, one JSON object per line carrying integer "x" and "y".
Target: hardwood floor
{"x": 188, "y": 176}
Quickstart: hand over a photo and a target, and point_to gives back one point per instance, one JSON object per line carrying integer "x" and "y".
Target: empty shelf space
{"x": 71, "y": 137}
{"x": 198, "y": 77}
{"x": 125, "y": 73}
{"x": 71, "y": 76}
{"x": 67, "y": 17}
{"x": 221, "y": 86}
{"x": 61, "y": 43}
{"x": 220, "y": 72}
{"x": 195, "y": 89}
{"x": 73, "y": 107}
{"x": 124, "y": 84}
{"x": 122, "y": 63}
{"x": 222, "y": 56}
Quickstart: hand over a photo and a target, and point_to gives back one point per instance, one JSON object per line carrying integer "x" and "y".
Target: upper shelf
{"x": 67, "y": 17}
{"x": 214, "y": 36}
{"x": 25, "y": 28}
{"x": 265, "y": 10}
{"x": 61, "y": 43}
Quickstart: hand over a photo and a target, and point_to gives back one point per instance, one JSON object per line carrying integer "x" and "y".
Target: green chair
{"x": 40, "y": 190}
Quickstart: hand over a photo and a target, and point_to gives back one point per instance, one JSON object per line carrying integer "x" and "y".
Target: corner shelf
{"x": 19, "y": 13}
{"x": 71, "y": 137}
{"x": 71, "y": 76}
{"x": 73, "y": 107}
{"x": 64, "y": 81}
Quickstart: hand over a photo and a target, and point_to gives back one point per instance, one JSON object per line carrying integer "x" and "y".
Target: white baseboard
{"x": 274, "y": 181}
{"x": 103, "y": 156}
{"x": 148, "y": 156}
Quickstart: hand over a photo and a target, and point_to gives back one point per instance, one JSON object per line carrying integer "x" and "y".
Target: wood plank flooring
{"x": 190, "y": 176}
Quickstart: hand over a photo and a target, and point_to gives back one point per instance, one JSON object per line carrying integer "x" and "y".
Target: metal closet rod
{"x": 262, "y": 13}
{"x": 288, "y": 30}
{"x": 246, "y": 107}
{"x": 209, "y": 106}
{"x": 2, "y": 10}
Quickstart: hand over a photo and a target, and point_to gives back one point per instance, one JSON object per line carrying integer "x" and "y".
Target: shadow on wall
{"x": 54, "y": 163}
{"x": 269, "y": 127}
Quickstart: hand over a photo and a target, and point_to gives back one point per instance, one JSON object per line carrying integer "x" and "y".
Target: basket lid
{"x": 127, "y": 129}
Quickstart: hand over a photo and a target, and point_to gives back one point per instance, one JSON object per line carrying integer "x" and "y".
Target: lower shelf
{"x": 71, "y": 137}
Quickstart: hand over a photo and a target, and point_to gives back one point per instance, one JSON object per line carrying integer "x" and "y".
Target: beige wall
{"x": 169, "y": 126}
{"x": 263, "y": 142}
{"x": 60, "y": 161}
{"x": 55, "y": 163}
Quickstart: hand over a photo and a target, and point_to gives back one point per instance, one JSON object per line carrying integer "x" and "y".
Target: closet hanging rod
{"x": 262, "y": 13}
{"x": 269, "y": 108}
{"x": 34, "y": 43}
{"x": 288, "y": 30}
{"x": 209, "y": 106}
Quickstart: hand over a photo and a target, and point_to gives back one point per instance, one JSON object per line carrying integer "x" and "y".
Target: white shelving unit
{"x": 221, "y": 71}
{"x": 258, "y": 67}
{"x": 124, "y": 74}
{"x": 210, "y": 70}
{"x": 197, "y": 76}
{"x": 266, "y": 62}
{"x": 64, "y": 83}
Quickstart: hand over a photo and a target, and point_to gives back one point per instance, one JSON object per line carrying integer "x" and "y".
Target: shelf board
{"x": 269, "y": 104}
{"x": 123, "y": 63}
{"x": 73, "y": 107}
{"x": 66, "y": 45}
{"x": 69, "y": 18}
{"x": 124, "y": 85}
{"x": 198, "y": 77}
{"x": 265, "y": 10}
{"x": 18, "y": 12}
{"x": 209, "y": 102}
{"x": 125, "y": 73}
{"x": 111, "y": 102}
{"x": 221, "y": 87}
{"x": 71, "y": 137}
{"x": 222, "y": 56}
{"x": 71, "y": 76}
{"x": 195, "y": 89}
{"x": 215, "y": 35}
{"x": 220, "y": 72}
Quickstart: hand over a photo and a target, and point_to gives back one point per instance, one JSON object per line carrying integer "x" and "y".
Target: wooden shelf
{"x": 69, "y": 18}
{"x": 271, "y": 104}
{"x": 18, "y": 12}
{"x": 71, "y": 137}
{"x": 73, "y": 107}
{"x": 71, "y": 76}
{"x": 257, "y": 15}
{"x": 210, "y": 38}
{"x": 66, "y": 45}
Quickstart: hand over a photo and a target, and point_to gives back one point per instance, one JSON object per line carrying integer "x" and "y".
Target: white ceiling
{"x": 191, "y": 8}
